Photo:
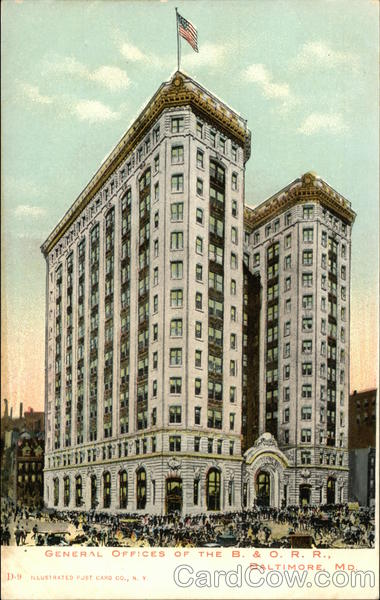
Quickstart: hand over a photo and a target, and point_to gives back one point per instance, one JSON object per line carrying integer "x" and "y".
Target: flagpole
{"x": 178, "y": 42}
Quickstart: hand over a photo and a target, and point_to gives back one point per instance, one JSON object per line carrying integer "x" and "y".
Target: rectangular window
{"x": 176, "y": 298}
{"x": 175, "y": 356}
{"x": 306, "y": 413}
{"x": 175, "y": 385}
{"x": 197, "y": 386}
{"x": 176, "y": 328}
{"x": 199, "y": 273}
{"x": 199, "y": 216}
{"x": 198, "y": 330}
{"x": 198, "y": 301}
{"x": 176, "y": 240}
{"x": 200, "y": 129}
{"x": 200, "y": 159}
{"x": 177, "y": 124}
{"x": 176, "y": 211}
{"x": 175, "y": 414}
{"x": 176, "y": 269}
{"x": 198, "y": 358}
{"x": 177, "y": 155}
{"x": 177, "y": 183}
{"x": 199, "y": 186}
{"x": 197, "y": 415}
{"x": 307, "y": 234}
{"x": 199, "y": 245}
{"x": 234, "y": 209}
{"x": 175, "y": 443}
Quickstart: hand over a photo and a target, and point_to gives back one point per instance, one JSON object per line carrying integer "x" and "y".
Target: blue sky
{"x": 304, "y": 73}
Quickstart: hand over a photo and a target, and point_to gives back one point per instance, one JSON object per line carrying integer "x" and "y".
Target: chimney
{"x": 11, "y": 413}
{"x": 5, "y": 407}
{"x": 21, "y": 410}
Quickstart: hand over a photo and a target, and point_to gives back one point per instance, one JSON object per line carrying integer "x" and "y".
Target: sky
{"x": 75, "y": 74}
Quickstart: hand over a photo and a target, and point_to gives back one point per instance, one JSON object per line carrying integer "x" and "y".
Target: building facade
{"x": 162, "y": 377}
{"x": 298, "y": 243}
{"x": 362, "y": 447}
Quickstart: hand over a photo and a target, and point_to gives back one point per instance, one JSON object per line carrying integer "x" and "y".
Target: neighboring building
{"x": 22, "y": 456}
{"x": 163, "y": 356}
{"x": 299, "y": 243}
{"x": 362, "y": 447}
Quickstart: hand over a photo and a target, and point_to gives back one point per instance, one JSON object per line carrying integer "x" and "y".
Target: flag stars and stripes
{"x": 188, "y": 32}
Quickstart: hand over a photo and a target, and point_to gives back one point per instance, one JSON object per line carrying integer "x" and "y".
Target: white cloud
{"x": 110, "y": 77}
{"x": 319, "y": 53}
{"x": 32, "y": 93}
{"x": 317, "y": 122}
{"x": 258, "y": 73}
{"x": 93, "y": 111}
{"x": 132, "y": 53}
{"x": 26, "y": 210}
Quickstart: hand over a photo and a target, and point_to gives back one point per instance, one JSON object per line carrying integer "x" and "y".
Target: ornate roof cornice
{"x": 181, "y": 90}
{"x": 308, "y": 188}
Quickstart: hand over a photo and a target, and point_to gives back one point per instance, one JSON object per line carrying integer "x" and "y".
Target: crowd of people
{"x": 326, "y": 526}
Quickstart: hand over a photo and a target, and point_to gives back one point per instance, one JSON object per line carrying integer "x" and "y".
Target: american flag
{"x": 188, "y": 32}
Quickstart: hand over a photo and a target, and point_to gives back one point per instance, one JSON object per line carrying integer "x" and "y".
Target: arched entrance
{"x": 94, "y": 501}
{"x": 330, "y": 498}
{"x": 263, "y": 489}
{"x": 213, "y": 490}
{"x": 173, "y": 495}
{"x": 305, "y": 494}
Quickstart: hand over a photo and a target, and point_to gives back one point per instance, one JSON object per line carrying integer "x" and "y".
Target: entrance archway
{"x": 94, "y": 501}
{"x": 173, "y": 495}
{"x": 330, "y": 491}
{"x": 305, "y": 494}
{"x": 263, "y": 489}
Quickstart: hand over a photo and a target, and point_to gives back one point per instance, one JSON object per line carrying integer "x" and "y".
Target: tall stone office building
{"x": 298, "y": 243}
{"x": 183, "y": 370}
{"x": 144, "y": 317}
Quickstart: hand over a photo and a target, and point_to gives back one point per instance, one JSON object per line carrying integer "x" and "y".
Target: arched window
{"x": 66, "y": 490}
{"x": 213, "y": 490}
{"x": 123, "y": 489}
{"x": 141, "y": 488}
{"x": 78, "y": 491}
{"x": 106, "y": 489}
{"x": 56, "y": 491}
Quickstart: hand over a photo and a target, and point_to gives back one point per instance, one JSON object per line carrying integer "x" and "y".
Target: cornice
{"x": 179, "y": 91}
{"x": 307, "y": 188}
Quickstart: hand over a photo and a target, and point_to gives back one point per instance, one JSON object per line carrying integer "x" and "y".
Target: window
{"x": 197, "y": 415}
{"x": 286, "y": 394}
{"x": 156, "y": 217}
{"x": 233, "y": 287}
{"x": 307, "y": 279}
{"x": 156, "y": 163}
{"x": 308, "y": 212}
{"x": 175, "y": 443}
{"x": 197, "y": 386}
{"x": 307, "y": 323}
{"x": 176, "y": 240}
{"x": 214, "y": 418}
{"x": 306, "y": 413}
{"x": 234, "y": 152}
{"x": 232, "y": 393}
{"x": 234, "y": 235}
{"x": 305, "y": 457}
{"x": 177, "y": 124}
{"x": 307, "y": 234}
{"x": 233, "y": 341}
{"x": 288, "y": 240}
{"x": 200, "y": 129}
{"x": 198, "y": 358}
{"x": 307, "y": 301}
{"x": 176, "y": 328}
{"x": 286, "y": 415}
{"x": 175, "y": 414}
{"x": 233, "y": 367}
{"x": 106, "y": 489}
{"x": 212, "y": 138}
{"x": 288, "y": 261}
{"x": 198, "y": 330}
{"x": 176, "y": 211}
{"x": 199, "y": 245}
{"x": 234, "y": 209}
{"x": 287, "y": 328}
{"x": 175, "y": 384}
{"x": 176, "y": 269}
{"x": 200, "y": 159}
{"x": 177, "y": 155}
{"x": 215, "y": 281}
{"x": 177, "y": 183}
{"x": 233, "y": 261}
{"x": 198, "y": 301}
{"x": 155, "y": 332}
{"x": 307, "y": 257}
{"x": 199, "y": 272}
{"x": 233, "y": 313}
{"x": 176, "y": 298}
{"x": 155, "y": 302}
{"x": 154, "y": 388}
{"x": 286, "y": 371}
{"x": 215, "y": 253}
{"x": 199, "y": 186}
{"x": 307, "y": 368}
{"x": 155, "y": 276}
{"x": 175, "y": 355}
{"x": 197, "y": 444}
{"x": 234, "y": 181}
{"x": 222, "y": 145}
{"x": 306, "y": 390}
